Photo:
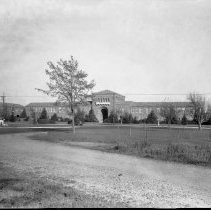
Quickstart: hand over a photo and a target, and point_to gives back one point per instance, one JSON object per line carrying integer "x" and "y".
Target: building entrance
{"x": 104, "y": 111}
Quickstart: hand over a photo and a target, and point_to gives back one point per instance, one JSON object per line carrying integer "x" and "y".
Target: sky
{"x": 128, "y": 46}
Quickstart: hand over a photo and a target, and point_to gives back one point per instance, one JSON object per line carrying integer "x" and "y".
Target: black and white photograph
{"x": 105, "y": 104}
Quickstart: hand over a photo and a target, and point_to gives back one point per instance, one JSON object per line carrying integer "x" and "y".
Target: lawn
{"x": 30, "y": 124}
{"x": 180, "y": 145}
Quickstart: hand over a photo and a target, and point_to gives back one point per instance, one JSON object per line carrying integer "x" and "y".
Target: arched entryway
{"x": 104, "y": 111}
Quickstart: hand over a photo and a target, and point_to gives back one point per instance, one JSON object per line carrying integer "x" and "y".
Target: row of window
{"x": 102, "y": 104}
{"x": 142, "y": 110}
{"x": 48, "y": 109}
{"x": 147, "y": 110}
{"x": 103, "y": 100}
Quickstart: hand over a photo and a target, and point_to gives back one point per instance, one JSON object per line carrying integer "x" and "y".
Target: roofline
{"x": 111, "y": 93}
{"x": 41, "y": 103}
{"x": 150, "y": 104}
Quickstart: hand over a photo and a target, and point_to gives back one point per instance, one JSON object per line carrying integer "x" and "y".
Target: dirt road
{"x": 121, "y": 179}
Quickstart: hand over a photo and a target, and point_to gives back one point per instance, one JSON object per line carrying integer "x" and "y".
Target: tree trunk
{"x": 73, "y": 119}
{"x": 199, "y": 125}
{"x": 73, "y": 125}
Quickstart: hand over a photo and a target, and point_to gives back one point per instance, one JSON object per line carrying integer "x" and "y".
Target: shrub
{"x": 78, "y": 121}
{"x": 23, "y": 114}
{"x": 152, "y": 118}
{"x": 12, "y": 117}
{"x": 86, "y": 118}
{"x": 143, "y": 120}
{"x": 44, "y": 114}
{"x": 79, "y": 117}
{"x": 67, "y": 119}
{"x": 112, "y": 118}
{"x": 54, "y": 117}
{"x": 90, "y": 117}
{"x": 127, "y": 118}
{"x": 184, "y": 120}
{"x": 208, "y": 122}
{"x": 107, "y": 121}
{"x": 60, "y": 119}
{"x": 27, "y": 118}
{"x": 135, "y": 121}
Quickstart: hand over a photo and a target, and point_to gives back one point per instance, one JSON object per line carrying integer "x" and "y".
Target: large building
{"x": 105, "y": 101}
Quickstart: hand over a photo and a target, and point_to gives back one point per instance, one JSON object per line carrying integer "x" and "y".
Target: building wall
{"x": 107, "y": 101}
{"x": 17, "y": 109}
{"x": 110, "y": 101}
{"x": 60, "y": 111}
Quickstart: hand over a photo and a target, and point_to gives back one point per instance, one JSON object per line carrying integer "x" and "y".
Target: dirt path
{"x": 134, "y": 181}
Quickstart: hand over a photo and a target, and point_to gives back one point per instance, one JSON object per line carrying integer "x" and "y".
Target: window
{"x": 134, "y": 110}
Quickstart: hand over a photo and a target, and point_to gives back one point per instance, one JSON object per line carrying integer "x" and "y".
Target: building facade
{"x": 50, "y": 107}
{"x": 10, "y": 108}
{"x": 105, "y": 101}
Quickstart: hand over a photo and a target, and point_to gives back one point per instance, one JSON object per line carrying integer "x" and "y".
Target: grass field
{"x": 29, "y": 123}
{"x": 180, "y": 145}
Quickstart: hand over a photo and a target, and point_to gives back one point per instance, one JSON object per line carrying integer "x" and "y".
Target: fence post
{"x": 130, "y": 131}
{"x": 146, "y": 136}
{"x": 178, "y": 136}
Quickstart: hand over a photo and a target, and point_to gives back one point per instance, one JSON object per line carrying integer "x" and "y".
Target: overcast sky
{"x": 128, "y": 46}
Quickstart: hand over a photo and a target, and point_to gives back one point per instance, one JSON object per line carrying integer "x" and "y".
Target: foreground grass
{"x": 26, "y": 190}
{"x": 185, "y": 146}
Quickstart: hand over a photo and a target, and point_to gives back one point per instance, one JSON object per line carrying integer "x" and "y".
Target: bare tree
{"x": 68, "y": 84}
{"x": 119, "y": 112}
{"x": 5, "y": 112}
{"x": 200, "y": 109}
{"x": 33, "y": 115}
{"x": 169, "y": 113}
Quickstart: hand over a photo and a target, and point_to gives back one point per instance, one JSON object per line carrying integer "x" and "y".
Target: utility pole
{"x": 3, "y": 104}
{"x": 3, "y": 99}
{"x": 114, "y": 103}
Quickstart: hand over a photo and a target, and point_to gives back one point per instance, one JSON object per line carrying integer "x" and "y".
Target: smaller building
{"x": 10, "y": 108}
